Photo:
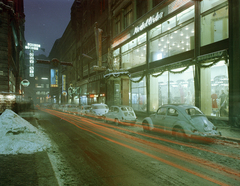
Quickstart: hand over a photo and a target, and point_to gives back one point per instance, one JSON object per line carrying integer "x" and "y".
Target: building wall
{"x": 161, "y": 55}
{"x": 169, "y": 69}
{"x": 11, "y": 44}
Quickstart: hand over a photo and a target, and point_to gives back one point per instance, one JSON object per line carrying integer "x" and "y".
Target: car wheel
{"x": 145, "y": 125}
{"x": 179, "y": 133}
{"x": 116, "y": 121}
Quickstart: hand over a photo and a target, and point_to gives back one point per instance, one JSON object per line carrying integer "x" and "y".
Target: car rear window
{"x": 193, "y": 112}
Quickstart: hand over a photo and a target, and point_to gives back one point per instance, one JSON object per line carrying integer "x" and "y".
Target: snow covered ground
{"x": 18, "y": 136}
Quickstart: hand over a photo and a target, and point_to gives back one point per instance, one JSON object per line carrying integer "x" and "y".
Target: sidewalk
{"x": 27, "y": 169}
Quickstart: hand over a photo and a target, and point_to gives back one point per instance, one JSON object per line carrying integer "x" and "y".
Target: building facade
{"x": 175, "y": 53}
{"x": 158, "y": 52}
{"x": 12, "y": 40}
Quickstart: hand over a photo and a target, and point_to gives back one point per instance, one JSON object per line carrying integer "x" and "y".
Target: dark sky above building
{"x": 46, "y": 21}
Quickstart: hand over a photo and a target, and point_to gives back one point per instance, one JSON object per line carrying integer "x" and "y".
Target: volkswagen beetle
{"x": 182, "y": 121}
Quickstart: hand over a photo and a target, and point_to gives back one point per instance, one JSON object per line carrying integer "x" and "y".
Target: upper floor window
{"x": 214, "y": 21}
{"x": 156, "y": 2}
{"x": 118, "y": 24}
{"x": 128, "y": 16}
{"x": 142, "y": 6}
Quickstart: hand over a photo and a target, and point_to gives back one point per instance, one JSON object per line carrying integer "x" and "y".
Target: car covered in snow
{"x": 121, "y": 115}
{"x": 84, "y": 110}
{"x": 98, "y": 110}
{"x": 182, "y": 121}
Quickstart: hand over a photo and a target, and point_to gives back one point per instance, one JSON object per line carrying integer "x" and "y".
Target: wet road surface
{"x": 99, "y": 153}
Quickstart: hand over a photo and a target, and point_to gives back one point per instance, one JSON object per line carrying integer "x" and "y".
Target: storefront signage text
{"x": 210, "y": 56}
{"x": 148, "y": 22}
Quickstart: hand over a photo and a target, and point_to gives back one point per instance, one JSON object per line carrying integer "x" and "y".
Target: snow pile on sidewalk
{"x": 18, "y": 136}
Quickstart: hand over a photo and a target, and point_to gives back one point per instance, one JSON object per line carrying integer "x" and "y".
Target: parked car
{"x": 84, "y": 110}
{"x": 181, "y": 121}
{"x": 98, "y": 110}
{"x": 55, "y": 106}
{"x": 61, "y": 107}
{"x": 121, "y": 114}
{"x": 71, "y": 108}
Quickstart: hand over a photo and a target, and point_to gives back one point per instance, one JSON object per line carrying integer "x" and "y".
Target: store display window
{"x": 209, "y": 4}
{"x": 173, "y": 43}
{"x": 139, "y": 98}
{"x": 214, "y": 90}
{"x": 214, "y": 24}
{"x": 172, "y": 88}
{"x": 158, "y": 91}
{"x": 182, "y": 86}
{"x": 134, "y": 52}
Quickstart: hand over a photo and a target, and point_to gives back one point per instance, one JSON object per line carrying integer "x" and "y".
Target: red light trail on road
{"x": 104, "y": 129}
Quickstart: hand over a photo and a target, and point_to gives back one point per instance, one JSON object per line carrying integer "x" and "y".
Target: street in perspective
{"x": 119, "y": 93}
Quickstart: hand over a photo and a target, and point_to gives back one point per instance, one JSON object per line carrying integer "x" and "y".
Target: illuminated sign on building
{"x": 64, "y": 92}
{"x": 54, "y": 77}
{"x": 31, "y": 47}
{"x": 148, "y": 22}
{"x": 25, "y": 83}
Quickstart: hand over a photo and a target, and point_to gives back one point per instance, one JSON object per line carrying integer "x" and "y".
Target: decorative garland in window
{"x": 210, "y": 65}
{"x": 186, "y": 64}
{"x": 140, "y": 79}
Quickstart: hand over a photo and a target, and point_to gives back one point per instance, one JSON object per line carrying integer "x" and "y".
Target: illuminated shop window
{"x": 158, "y": 91}
{"x": 185, "y": 15}
{"x": 173, "y": 43}
{"x": 214, "y": 25}
{"x": 169, "y": 24}
{"x": 209, "y": 4}
{"x": 175, "y": 88}
{"x": 139, "y": 98}
{"x": 172, "y": 37}
{"x": 214, "y": 90}
{"x": 134, "y": 52}
{"x": 176, "y": 5}
{"x": 182, "y": 87}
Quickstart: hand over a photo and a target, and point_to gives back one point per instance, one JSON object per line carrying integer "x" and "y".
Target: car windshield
{"x": 193, "y": 112}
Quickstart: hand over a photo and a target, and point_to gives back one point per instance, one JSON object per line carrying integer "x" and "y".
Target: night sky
{"x": 46, "y": 21}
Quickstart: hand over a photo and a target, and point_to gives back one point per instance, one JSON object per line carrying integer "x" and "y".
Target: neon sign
{"x": 148, "y": 22}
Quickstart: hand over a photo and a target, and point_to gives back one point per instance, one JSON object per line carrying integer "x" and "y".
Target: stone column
{"x": 234, "y": 62}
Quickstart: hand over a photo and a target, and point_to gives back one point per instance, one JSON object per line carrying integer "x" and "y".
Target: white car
{"x": 84, "y": 110}
{"x": 98, "y": 110}
{"x": 121, "y": 114}
{"x": 181, "y": 121}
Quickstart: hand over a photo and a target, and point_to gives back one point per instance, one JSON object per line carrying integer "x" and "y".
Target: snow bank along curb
{"x": 18, "y": 136}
